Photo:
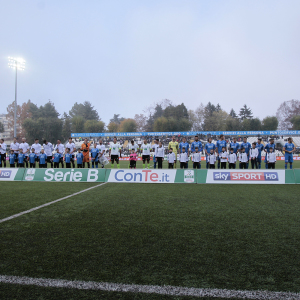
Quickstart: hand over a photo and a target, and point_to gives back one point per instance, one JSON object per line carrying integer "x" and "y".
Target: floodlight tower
{"x": 16, "y": 63}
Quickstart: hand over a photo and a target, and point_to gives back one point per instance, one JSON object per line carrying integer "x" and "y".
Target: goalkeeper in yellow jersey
{"x": 174, "y": 145}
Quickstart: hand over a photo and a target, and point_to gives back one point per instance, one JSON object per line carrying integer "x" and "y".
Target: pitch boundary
{"x": 47, "y": 204}
{"x": 149, "y": 289}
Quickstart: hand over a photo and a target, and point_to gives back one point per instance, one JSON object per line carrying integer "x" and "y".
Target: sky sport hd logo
{"x": 5, "y": 174}
{"x": 246, "y": 176}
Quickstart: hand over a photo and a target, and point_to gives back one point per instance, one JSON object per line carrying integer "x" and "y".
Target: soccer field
{"x": 235, "y": 237}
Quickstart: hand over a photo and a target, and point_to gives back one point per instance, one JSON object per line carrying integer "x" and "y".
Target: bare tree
{"x": 141, "y": 121}
{"x": 286, "y": 111}
{"x": 196, "y": 117}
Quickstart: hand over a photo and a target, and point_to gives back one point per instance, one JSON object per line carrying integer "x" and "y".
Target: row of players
{"x": 211, "y": 158}
{"x": 96, "y": 156}
{"x": 57, "y": 158}
{"x": 218, "y": 150}
{"x": 24, "y": 154}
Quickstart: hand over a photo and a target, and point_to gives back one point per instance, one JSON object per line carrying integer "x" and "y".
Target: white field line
{"x": 150, "y": 289}
{"x": 47, "y": 204}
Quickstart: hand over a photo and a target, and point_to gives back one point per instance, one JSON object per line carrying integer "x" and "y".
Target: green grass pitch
{"x": 243, "y": 237}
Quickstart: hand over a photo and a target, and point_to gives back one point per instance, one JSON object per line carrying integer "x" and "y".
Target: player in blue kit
{"x": 235, "y": 146}
{"x": 79, "y": 158}
{"x": 186, "y": 145}
{"x": 56, "y": 159}
{"x": 21, "y": 159}
{"x": 196, "y": 143}
{"x": 42, "y": 159}
{"x": 259, "y": 147}
{"x": 94, "y": 156}
{"x": 289, "y": 148}
{"x": 12, "y": 159}
{"x": 247, "y": 146}
{"x": 32, "y": 158}
{"x": 209, "y": 146}
{"x": 220, "y": 144}
{"x": 267, "y": 150}
{"x": 68, "y": 158}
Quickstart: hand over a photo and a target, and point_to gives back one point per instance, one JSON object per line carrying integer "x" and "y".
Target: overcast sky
{"x": 124, "y": 55}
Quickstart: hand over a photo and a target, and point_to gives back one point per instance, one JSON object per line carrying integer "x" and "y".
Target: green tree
{"x": 217, "y": 121}
{"x": 50, "y": 128}
{"x": 218, "y": 107}
{"x": 32, "y": 130}
{"x": 256, "y": 124}
{"x": 233, "y": 113}
{"x": 66, "y": 127}
{"x": 245, "y": 113}
{"x": 232, "y": 124}
{"x": 209, "y": 110}
{"x": 77, "y": 124}
{"x": 270, "y": 123}
{"x": 208, "y": 114}
{"x": 246, "y": 125}
{"x": 177, "y": 112}
{"x": 48, "y": 111}
{"x": 158, "y": 111}
{"x": 43, "y": 122}
{"x": 177, "y": 117}
{"x": 116, "y": 119}
{"x": 161, "y": 124}
{"x": 128, "y": 125}
{"x": 93, "y": 126}
{"x": 251, "y": 124}
{"x": 183, "y": 125}
{"x": 85, "y": 110}
{"x": 113, "y": 127}
{"x": 1, "y": 127}
{"x": 150, "y": 124}
{"x": 296, "y": 122}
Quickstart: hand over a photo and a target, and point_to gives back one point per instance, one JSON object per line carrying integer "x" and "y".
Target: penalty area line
{"x": 150, "y": 289}
{"x": 47, "y": 204}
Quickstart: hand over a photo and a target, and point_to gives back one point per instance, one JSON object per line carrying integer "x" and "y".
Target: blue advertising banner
{"x": 188, "y": 133}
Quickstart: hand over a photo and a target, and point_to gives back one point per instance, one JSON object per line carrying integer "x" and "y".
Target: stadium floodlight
{"x": 18, "y": 64}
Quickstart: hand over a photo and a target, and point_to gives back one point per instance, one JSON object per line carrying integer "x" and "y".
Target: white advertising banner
{"x": 7, "y": 174}
{"x": 246, "y": 176}
{"x": 142, "y": 176}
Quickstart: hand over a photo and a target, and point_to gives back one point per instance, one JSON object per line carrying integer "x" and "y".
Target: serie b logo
{"x": 188, "y": 176}
{"x": 30, "y": 174}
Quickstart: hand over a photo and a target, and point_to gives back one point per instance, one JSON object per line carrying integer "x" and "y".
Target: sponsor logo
{"x": 5, "y": 174}
{"x": 188, "y": 176}
{"x": 245, "y": 176}
{"x": 30, "y": 174}
{"x": 75, "y": 176}
{"x": 221, "y": 175}
{"x": 150, "y": 176}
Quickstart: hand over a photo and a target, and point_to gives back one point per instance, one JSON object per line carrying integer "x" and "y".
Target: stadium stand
{"x": 296, "y": 140}
{"x": 125, "y": 144}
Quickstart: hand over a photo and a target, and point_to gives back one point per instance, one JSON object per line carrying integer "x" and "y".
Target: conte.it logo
{"x": 143, "y": 176}
{"x": 5, "y": 174}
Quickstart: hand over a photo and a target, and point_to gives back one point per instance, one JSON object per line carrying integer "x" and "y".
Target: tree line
{"x": 45, "y": 122}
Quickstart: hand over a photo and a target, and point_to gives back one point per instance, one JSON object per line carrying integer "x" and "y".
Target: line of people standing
{"x": 24, "y": 155}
